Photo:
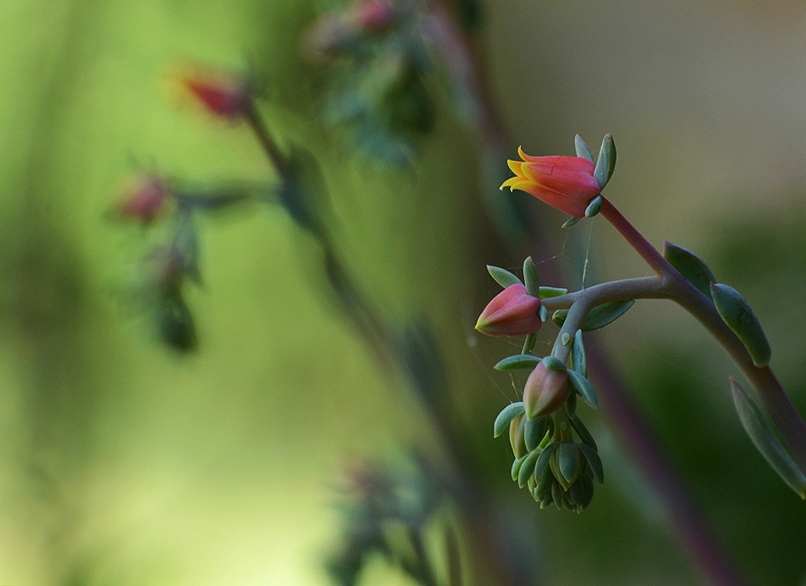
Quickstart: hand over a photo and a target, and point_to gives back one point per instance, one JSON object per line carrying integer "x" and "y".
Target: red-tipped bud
{"x": 545, "y": 391}
{"x": 222, "y": 94}
{"x": 566, "y": 183}
{"x": 513, "y": 312}
{"x": 144, "y": 199}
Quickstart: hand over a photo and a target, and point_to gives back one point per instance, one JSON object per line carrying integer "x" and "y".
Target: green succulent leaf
{"x": 569, "y": 462}
{"x": 518, "y": 362}
{"x": 549, "y": 292}
{"x": 516, "y": 466}
{"x": 570, "y": 222}
{"x": 766, "y": 441}
{"x": 534, "y": 431}
{"x": 595, "y": 462}
{"x": 527, "y": 468}
{"x": 582, "y": 149}
{"x": 690, "y": 266}
{"x": 530, "y": 277}
{"x": 606, "y": 163}
{"x": 594, "y": 207}
{"x": 598, "y": 317}
{"x": 503, "y": 277}
{"x": 578, "y": 357}
{"x": 506, "y": 416}
{"x": 605, "y": 314}
{"x": 583, "y": 386}
{"x": 739, "y": 316}
{"x": 583, "y": 432}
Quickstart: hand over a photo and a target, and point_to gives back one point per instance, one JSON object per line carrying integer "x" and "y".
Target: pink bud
{"x": 221, "y": 93}
{"x": 566, "y": 183}
{"x": 144, "y": 199}
{"x": 373, "y": 15}
{"x": 545, "y": 391}
{"x": 513, "y": 312}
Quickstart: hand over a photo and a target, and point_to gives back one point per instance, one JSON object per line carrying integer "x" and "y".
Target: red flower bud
{"x": 144, "y": 199}
{"x": 221, "y": 93}
{"x": 545, "y": 391}
{"x": 566, "y": 183}
{"x": 513, "y": 312}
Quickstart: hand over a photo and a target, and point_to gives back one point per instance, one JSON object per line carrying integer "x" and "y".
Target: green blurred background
{"x": 122, "y": 462}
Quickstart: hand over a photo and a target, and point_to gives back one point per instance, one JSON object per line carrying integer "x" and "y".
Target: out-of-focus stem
{"x": 264, "y": 137}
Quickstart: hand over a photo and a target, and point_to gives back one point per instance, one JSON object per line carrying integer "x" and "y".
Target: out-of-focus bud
{"x": 566, "y": 183}
{"x": 372, "y": 15}
{"x": 222, "y": 94}
{"x": 144, "y": 199}
{"x": 513, "y": 312}
{"x": 545, "y": 391}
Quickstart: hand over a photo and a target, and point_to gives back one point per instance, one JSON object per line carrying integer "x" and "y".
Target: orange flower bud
{"x": 513, "y": 312}
{"x": 566, "y": 183}
{"x": 545, "y": 391}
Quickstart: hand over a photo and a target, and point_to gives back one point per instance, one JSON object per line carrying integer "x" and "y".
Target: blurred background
{"x": 125, "y": 461}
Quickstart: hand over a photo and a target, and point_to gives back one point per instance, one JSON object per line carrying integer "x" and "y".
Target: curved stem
{"x": 676, "y": 287}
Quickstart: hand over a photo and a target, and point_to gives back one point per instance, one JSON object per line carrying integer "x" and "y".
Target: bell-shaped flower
{"x": 513, "y": 312}
{"x": 566, "y": 183}
{"x": 545, "y": 391}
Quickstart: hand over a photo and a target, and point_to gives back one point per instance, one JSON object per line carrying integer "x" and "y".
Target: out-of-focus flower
{"x": 513, "y": 312}
{"x": 545, "y": 390}
{"x": 144, "y": 199}
{"x": 566, "y": 183}
{"x": 372, "y": 15}
{"x": 222, "y": 94}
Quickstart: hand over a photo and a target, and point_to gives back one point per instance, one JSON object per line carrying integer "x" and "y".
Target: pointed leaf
{"x": 605, "y": 314}
{"x": 606, "y": 163}
{"x": 583, "y": 151}
{"x": 583, "y": 387}
{"x": 548, "y": 292}
{"x": 527, "y": 468}
{"x": 569, "y": 462}
{"x": 766, "y": 441}
{"x": 516, "y": 466}
{"x": 530, "y": 277}
{"x": 592, "y": 456}
{"x": 506, "y": 416}
{"x": 518, "y": 362}
{"x": 594, "y": 207}
{"x": 583, "y": 432}
{"x": 570, "y": 222}
{"x": 503, "y": 277}
{"x": 737, "y": 313}
{"x": 690, "y": 266}
{"x": 578, "y": 357}
{"x": 534, "y": 430}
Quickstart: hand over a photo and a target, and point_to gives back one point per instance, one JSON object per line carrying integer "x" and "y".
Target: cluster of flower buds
{"x": 556, "y": 457}
{"x": 378, "y": 60}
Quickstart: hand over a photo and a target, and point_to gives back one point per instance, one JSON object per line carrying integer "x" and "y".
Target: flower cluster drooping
{"x": 168, "y": 209}
{"x": 556, "y": 457}
{"x": 555, "y": 454}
